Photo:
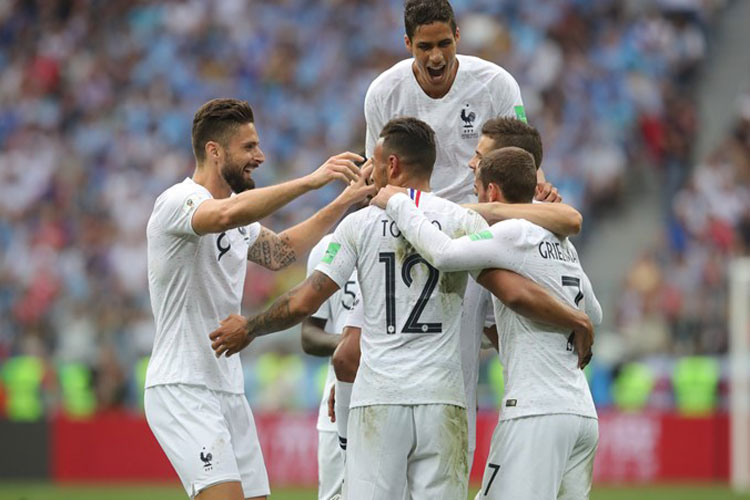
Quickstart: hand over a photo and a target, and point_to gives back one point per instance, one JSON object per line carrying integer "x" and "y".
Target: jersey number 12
{"x": 412, "y": 325}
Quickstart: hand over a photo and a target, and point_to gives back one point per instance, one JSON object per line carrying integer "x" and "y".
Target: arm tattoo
{"x": 275, "y": 318}
{"x": 317, "y": 280}
{"x": 293, "y": 306}
{"x": 271, "y": 250}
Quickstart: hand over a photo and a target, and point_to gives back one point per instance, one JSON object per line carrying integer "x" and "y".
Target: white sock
{"x": 343, "y": 398}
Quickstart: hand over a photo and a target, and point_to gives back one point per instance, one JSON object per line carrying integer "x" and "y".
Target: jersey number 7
{"x": 412, "y": 324}
{"x": 574, "y": 282}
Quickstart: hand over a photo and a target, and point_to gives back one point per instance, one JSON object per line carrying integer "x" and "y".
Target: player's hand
{"x": 547, "y": 192}
{"x": 361, "y": 190}
{"x": 332, "y": 404}
{"x": 231, "y": 337}
{"x": 583, "y": 340}
{"x": 385, "y": 194}
{"x": 340, "y": 166}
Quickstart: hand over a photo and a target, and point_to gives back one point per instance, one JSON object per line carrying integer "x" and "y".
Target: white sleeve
{"x": 489, "y": 248}
{"x": 489, "y": 310}
{"x": 373, "y": 120}
{"x": 176, "y": 209}
{"x": 316, "y": 255}
{"x": 507, "y": 95}
{"x": 591, "y": 305}
{"x": 340, "y": 258}
{"x": 356, "y": 316}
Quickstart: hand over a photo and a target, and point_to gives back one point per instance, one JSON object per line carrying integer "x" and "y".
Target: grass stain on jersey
{"x": 403, "y": 250}
{"x": 453, "y": 283}
{"x": 454, "y": 460}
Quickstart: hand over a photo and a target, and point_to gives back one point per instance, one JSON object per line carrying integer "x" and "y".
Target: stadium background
{"x": 644, "y": 108}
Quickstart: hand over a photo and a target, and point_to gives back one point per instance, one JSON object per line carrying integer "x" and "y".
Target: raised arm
{"x": 276, "y": 251}
{"x": 559, "y": 218}
{"x": 236, "y": 332}
{"x": 216, "y": 216}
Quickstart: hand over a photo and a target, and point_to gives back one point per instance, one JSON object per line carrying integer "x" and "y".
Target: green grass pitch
{"x": 37, "y": 491}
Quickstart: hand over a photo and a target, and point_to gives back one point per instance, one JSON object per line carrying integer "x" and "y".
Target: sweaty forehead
{"x": 433, "y": 32}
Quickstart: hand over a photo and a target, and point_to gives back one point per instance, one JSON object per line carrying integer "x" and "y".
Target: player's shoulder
{"x": 390, "y": 78}
{"x": 183, "y": 189}
{"x": 521, "y": 231}
{"x": 362, "y": 217}
{"x": 459, "y": 216}
{"x": 484, "y": 70}
{"x": 322, "y": 244}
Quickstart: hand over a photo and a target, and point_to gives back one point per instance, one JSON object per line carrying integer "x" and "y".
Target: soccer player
{"x": 559, "y": 218}
{"x": 545, "y": 443}
{"x": 199, "y": 241}
{"x": 454, "y": 94}
{"x": 407, "y": 425}
{"x": 321, "y": 333}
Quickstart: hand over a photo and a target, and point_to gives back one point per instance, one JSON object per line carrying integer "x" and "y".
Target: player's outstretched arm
{"x": 236, "y": 332}
{"x": 276, "y": 251}
{"x": 315, "y": 340}
{"x": 559, "y": 218}
{"x": 216, "y": 216}
{"x": 528, "y": 299}
{"x": 440, "y": 250}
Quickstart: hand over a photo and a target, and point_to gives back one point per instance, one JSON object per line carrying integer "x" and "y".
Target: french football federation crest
{"x": 468, "y": 118}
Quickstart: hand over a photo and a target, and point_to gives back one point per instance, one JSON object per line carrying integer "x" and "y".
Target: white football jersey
{"x": 410, "y": 351}
{"x": 540, "y": 366}
{"x": 194, "y": 282}
{"x": 481, "y": 90}
{"x": 335, "y": 312}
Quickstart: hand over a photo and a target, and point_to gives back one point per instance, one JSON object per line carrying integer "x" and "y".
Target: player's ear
{"x": 213, "y": 150}
{"x": 407, "y": 42}
{"x": 394, "y": 167}
{"x": 458, "y": 34}
{"x": 494, "y": 193}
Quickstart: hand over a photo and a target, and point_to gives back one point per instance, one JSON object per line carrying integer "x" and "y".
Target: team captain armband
{"x": 415, "y": 195}
{"x": 482, "y": 235}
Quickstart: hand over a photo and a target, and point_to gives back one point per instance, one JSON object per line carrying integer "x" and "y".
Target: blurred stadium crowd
{"x": 96, "y": 104}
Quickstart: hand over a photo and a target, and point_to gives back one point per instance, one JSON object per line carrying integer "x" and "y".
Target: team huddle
{"x": 453, "y": 237}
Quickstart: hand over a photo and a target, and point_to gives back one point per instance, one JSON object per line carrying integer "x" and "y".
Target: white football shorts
{"x": 414, "y": 451}
{"x": 541, "y": 458}
{"x": 330, "y": 465}
{"x": 208, "y": 436}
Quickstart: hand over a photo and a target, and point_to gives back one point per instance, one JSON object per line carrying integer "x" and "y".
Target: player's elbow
{"x": 576, "y": 221}
{"x": 345, "y": 365}
{"x": 308, "y": 346}
{"x": 512, "y": 296}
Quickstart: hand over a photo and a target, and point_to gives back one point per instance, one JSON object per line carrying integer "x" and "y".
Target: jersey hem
{"x": 193, "y": 384}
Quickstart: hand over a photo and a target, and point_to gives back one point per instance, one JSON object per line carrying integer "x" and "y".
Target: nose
{"x": 436, "y": 56}
{"x": 259, "y": 156}
{"x": 473, "y": 163}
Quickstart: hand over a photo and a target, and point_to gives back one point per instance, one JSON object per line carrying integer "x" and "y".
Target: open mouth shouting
{"x": 436, "y": 73}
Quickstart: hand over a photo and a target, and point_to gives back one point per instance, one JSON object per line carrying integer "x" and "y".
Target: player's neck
{"x": 210, "y": 179}
{"x": 420, "y": 184}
